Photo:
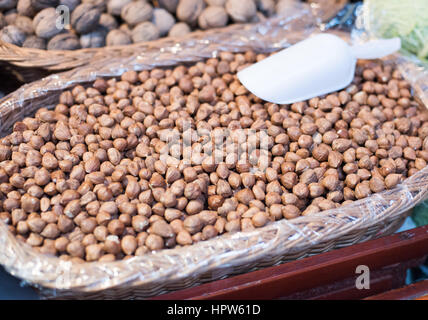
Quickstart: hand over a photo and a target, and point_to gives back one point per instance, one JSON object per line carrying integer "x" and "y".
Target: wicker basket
{"x": 27, "y": 64}
{"x": 167, "y": 270}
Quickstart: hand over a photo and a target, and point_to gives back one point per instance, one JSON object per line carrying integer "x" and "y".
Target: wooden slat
{"x": 319, "y": 270}
{"x": 415, "y": 291}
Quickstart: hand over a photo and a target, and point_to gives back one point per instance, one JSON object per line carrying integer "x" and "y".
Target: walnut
{"x": 213, "y": 17}
{"x": 118, "y": 37}
{"x": 34, "y": 42}
{"x": 108, "y": 21}
{"x": 100, "y": 4}
{"x": 114, "y": 7}
{"x": 64, "y": 41}
{"x": 163, "y": 20}
{"x": 145, "y": 31}
{"x": 179, "y": 29}
{"x": 13, "y": 35}
{"x": 44, "y": 23}
{"x": 94, "y": 39}
{"x": 241, "y": 10}
{"x": 85, "y": 18}
{"x": 137, "y": 11}
{"x": 189, "y": 10}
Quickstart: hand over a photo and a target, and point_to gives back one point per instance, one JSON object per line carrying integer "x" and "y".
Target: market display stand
{"x": 330, "y": 275}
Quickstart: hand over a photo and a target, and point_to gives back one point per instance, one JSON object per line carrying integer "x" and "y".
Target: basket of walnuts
{"x": 42, "y": 37}
{"x": 129, "y": 178}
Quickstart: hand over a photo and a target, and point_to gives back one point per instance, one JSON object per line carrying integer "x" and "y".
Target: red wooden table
{"x": 330, "y": 275}
{"x": 415, "y": 291}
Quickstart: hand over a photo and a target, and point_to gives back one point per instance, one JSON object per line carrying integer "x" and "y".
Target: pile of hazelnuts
{"x": 134, "y": 164}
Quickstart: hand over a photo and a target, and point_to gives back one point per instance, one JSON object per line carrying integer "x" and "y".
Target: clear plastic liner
{"x": 227, "y": 254}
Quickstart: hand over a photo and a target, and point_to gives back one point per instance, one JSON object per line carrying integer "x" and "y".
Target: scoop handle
{"x": 376, "y": 49}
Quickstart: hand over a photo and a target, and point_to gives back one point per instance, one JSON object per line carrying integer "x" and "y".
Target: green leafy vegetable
{"x": 420, "y": 214}
{"x": 406, "y": 19}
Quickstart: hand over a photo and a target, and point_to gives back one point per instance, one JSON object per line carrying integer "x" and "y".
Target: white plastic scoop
{"x": 313, "y": 67}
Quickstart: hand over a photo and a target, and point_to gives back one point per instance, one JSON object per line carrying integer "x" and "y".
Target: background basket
{"x": 27, "y": 64}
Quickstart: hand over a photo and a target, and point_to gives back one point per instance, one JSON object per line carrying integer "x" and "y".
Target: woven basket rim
{"x": 142, "y": 292}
